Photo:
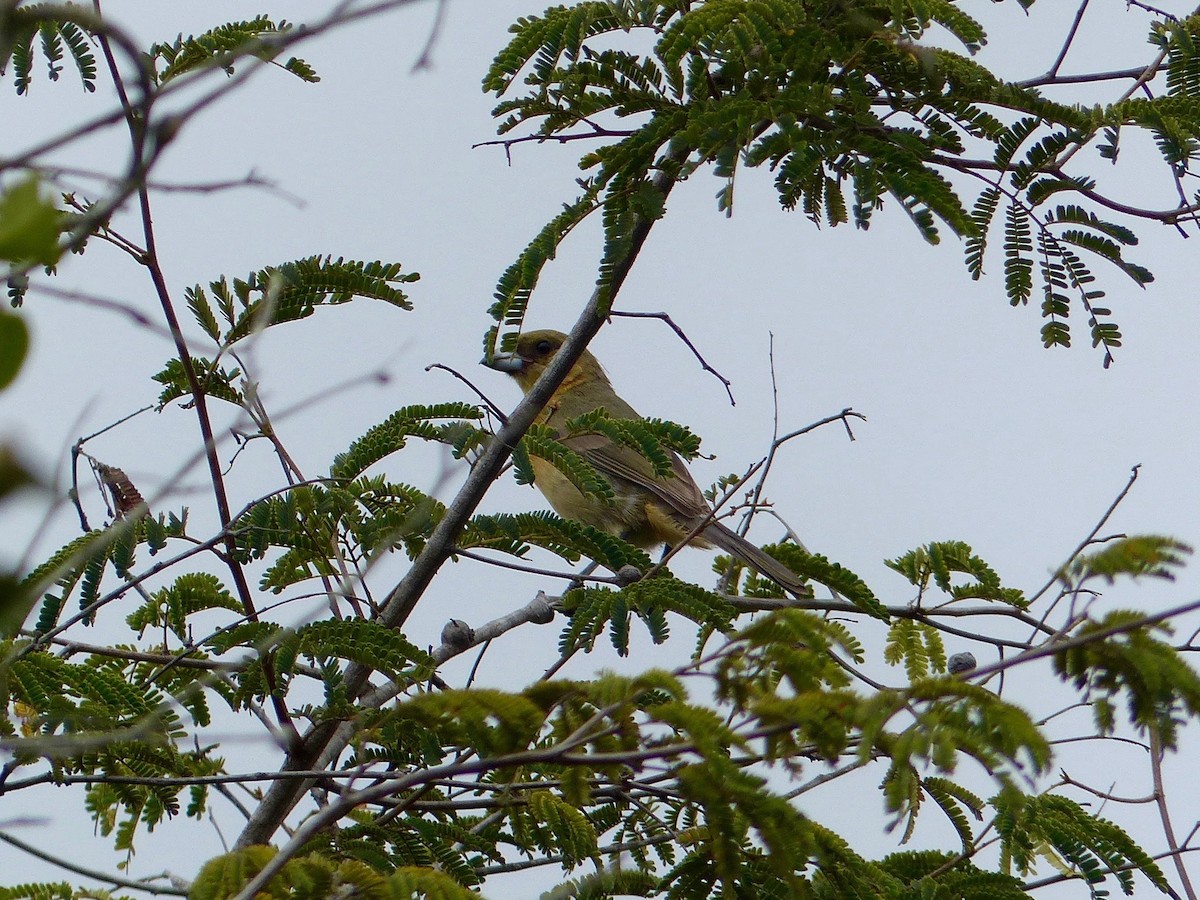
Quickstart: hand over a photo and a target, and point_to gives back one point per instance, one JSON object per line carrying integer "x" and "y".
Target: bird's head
{"x": 534, "y": 351}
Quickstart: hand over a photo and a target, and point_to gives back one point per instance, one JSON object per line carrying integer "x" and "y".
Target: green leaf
{"x": 16, "y": 602}
{"x": 222, "y": 47}
{"x": 14, "y": 346}
{"x": 1135, "y": 556}
{"x": 29, "y": 225}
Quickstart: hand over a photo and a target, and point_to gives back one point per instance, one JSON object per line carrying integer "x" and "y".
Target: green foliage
{"x": 790, "y": 646}
{"x": 652, "y": 438}
{"x": 410, "y": 842}
{"x": 1094, "y": 848}
{"x": 568, "y": 539}
{"x": 833, "y": 100}
{"x": 366, "y": 643}
{"x": 516, "y": 285}
{"x": 106, "y": 718}
{"x": 543, "y": 442}
{"x": 392, "y": 434}
{"x": 52, "y": 26}
{"x": 492, "y": 721}
{"x": 941, "y": 875}
{"x": 59, "y": 890}
{"x": 951, "y": 718}
{"x": 1118, "y": 655}
{"x": 310, "y": 521}
{"x": 731, "y": 808}
{"x": 916, "y": 644}
{"x": 1180, "y": 38}
{"x": 955, "y": 801}
{"x": 592, "y": 610}
{"x": 171, "y": 607}
{"x": 604, "y": 884}
{"x": 29, "y": 225}
{"x": 223, "y": 46}
{"x": 814, "y": 567}
{"x": 315, "y": 877}
{"x": 561, "y": 828}
{"x": 940, "y": 561}
{"x": 292, "y": 291}
{"x": 81, "y": 564}
{"x": 211, "y": 380}
{"x": 1137, "y": 556}
{"x": 14, "y": 344}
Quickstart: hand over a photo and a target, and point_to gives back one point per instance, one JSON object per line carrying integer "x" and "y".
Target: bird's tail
{"x": 737, "y": 546}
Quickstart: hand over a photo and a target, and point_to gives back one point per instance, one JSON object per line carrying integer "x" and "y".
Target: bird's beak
{"x": 506, "y": 362}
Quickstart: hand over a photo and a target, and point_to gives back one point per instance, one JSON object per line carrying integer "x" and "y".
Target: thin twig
{"x": 425, "y": 60}
{"x": 1071, "y": 33}
{"x": 1160, "y": 800}
{"x": 103, "y": 877}
{"x": 1086, "y": 542}
{"x": 665, "y": 317}
{"x": 492, "y": 407}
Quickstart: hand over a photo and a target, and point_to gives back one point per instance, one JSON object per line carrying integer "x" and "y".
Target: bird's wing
{"x": 611, "y": 459}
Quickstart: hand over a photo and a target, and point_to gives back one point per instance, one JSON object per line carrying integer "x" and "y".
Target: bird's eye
{"x": 543, "y": 347}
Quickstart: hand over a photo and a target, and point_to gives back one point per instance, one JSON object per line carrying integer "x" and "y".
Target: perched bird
{"x": 647, "y": 510}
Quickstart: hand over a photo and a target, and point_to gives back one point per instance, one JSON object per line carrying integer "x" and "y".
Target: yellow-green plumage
{"x": 647, "y": 510}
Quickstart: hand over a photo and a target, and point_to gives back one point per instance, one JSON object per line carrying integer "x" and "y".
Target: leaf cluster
{"x": 849, "y": 108}
{"x": 57, "y": 33}
{"x": 223, "y": 46}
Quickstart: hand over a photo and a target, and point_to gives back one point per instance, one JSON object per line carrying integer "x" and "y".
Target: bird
{"x": 647, "y": 510}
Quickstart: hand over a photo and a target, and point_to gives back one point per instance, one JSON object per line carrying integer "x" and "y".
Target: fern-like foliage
{"x": 58, "y": 30}
{"x": 44, "y": 890}
{"x": 223, "y": 47}
{"x": 542, "y": 441}
{"x": 959, "y": 878}
{"x": 494, "y": 721}
{"x": 367, "y": 643}
{"x": 555, "y": 826}
{"x": 513, "y": 534}
{"x": 392, "y": 434}
{"x": 593, "y": 610}
{"x": 940, "y": 562}
{"x": 816, "y": 568}
{"x": 1181, "y": 39}
{"x": 788, "y": 646}
{"x": 292, "y": 291}
{"x": 309, "y": 520}
{"x": 1093, "y": 847}
{"x": 316, "y": 877}
{"x": 83, "y": 562}
{"x": 105, "y": 717}
{"x": 1138, "y": 556}
{"x": 170, "y": 607}
{"x": 409, "y": 843}
{"x": 956, "y": 802}
{"x": 1118, "y": 657}
{"x": 844, "y": 106}
{"x": 952, "y": 719}
{"x": 652, "y": 438}
{"x": 212, "y": 380}
{"x": 516, "y": 285}
{"x": 918, "y": 646}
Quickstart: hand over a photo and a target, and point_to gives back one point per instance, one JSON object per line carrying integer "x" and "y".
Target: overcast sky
{"x": 974, "y": 431}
